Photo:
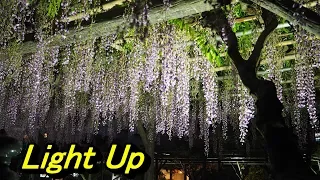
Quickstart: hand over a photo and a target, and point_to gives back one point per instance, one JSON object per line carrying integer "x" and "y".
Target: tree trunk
{"x": 281, "y": 144}
{"x": 150, "y": 175}
{"x": 149, "y": 148}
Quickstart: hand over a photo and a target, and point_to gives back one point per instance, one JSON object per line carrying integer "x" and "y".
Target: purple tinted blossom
{"x": 192, "y": 126}
{"x": 168, "y": 80}
{"x": 305, "y": 60}
{"x": 226, "y": 110}
{"x": 273, "y": 53}
{"x": 153, "y": 57}
{"x": 2, "y": 89}
{"x": 231, "y": 17}
{"x": 44, "y": 90}
{"x": 247, "y": 110}
{"x": 35, "y": 67}
{"x": 97, "y": 97}
{"x": 12, "y": 109}
{"x": 182, "y": 90}
{"x": 135, "y": 75}
{"x": 210, "y": 91}
{"x": 69, "y": 89}
{"x": 311, "y": 99}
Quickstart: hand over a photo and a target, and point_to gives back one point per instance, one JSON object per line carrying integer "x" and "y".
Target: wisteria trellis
{"x": 76, "y": 89}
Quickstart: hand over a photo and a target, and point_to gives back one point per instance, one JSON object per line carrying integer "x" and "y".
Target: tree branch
{"x": 217, "y": 21}
{"x": 271, "y": 24}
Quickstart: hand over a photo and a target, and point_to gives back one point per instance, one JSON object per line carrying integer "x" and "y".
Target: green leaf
{"x": 53, "y": 8}
{"x": 201, "y": 37}
{"x": 209, "y": 56}
{"x": 213, "y": 54}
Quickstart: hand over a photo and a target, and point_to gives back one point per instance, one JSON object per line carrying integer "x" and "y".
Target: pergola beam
{"x": 310, "y": 21}
{"x": 224, "y": 68}
{"x": 103, "y": 8}
{"x": 178, "y": 9}
{"x": 239, "y": 34}
{"x": 253, "y": 17}
{"x": 221, "y": 78}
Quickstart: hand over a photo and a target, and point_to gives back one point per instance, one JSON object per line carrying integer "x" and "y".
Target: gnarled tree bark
{"x": 286, "y": 160}
{"x": 149, "y": 148}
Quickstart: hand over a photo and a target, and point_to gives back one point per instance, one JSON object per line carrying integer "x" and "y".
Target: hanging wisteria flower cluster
{"x": 77, "y": 89}
{"x": 305, "y": 62}
{"x": 225, "y": 112}
{"x": 247, "y": 110}
{"x": 273, "y": 54}
{"x": 208, "y": 114}
{"x": 14, "y": 13}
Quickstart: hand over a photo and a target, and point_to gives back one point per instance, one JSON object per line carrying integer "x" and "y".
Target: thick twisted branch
{"x": 271, "y": 24}
{"x": 247, "y": 68}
